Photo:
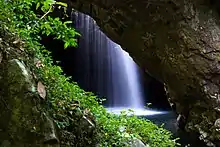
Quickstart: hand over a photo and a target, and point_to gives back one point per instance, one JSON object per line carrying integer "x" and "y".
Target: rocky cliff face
{"x": 176, "y": 41}
{"x": 24, "y": 122}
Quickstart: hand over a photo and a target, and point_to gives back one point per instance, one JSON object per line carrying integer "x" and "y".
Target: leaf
{"x": 41, "y": 90}
{"x": 21, "y": 16}
{"x": 38, "y": 5}
{"x": 61, "y": 3}
{"x": 51, "y": 2}
{"x": 59, "y": 36}
{"x": 44, "y": 32}
{"x": 16, "y": 41}
{"x": 48, "y": 33}
{"x": 57, "y": 19}
{"x": 67, "y": 22}
{"x": 76, "y": 33}
{"x": 66, "y": 45}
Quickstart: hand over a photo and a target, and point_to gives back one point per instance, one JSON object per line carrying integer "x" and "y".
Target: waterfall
{"x": 126, "y": 90}
{"x": 105, "y": 69}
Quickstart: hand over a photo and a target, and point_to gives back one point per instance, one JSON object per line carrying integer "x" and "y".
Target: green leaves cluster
{"x": 47, "y": 5}
{"x": 27, "y": 19}
{"x": 67, "y": 102}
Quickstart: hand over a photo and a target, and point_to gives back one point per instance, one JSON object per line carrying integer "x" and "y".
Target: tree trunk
{"x": 177, "y": 42}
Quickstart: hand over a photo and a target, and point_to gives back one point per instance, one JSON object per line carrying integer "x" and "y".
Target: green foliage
{"x": 68, "y": 102}
{"x": 27, "y": 19}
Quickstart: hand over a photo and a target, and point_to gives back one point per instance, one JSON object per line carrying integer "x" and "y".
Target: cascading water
{"x": 127, "y": 90}
{"x": 107, "y": 70}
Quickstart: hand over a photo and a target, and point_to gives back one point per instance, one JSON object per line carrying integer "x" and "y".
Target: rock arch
{"x": 177, "y": 42}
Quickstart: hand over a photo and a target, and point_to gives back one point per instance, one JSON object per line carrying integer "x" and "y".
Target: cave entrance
{"x": 95, "y": 64}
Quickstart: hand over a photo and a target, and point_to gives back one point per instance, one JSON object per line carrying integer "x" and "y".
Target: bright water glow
{"x": 136, "y": 111}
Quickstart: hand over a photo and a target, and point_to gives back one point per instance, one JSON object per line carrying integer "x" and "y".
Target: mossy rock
{"x": 25, "y": 121}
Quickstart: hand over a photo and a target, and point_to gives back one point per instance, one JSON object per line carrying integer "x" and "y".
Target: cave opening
{"x": 71, "y": 59}
{"x": 83, "y": 65}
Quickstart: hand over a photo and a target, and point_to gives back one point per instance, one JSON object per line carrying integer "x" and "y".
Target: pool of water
{"x": 168, "y": 118}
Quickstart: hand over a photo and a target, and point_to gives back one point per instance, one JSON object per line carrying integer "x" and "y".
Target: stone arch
{"x": 177, "y": 42}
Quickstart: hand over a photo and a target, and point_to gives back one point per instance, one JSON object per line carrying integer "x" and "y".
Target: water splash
{"x": 136, "y": 111}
